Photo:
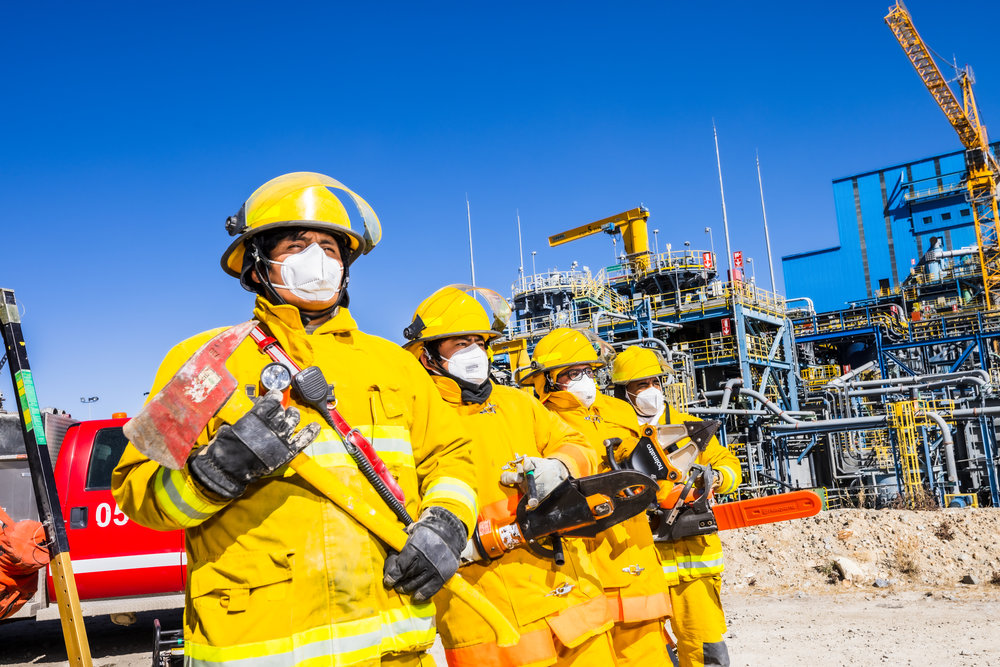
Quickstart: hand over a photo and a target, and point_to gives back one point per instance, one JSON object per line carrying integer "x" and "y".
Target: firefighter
{"x": 692, "y": 565}
{"x": 278, "y": 574}
{"x": 560, "y": 612}
{"x": 562, "y": 373}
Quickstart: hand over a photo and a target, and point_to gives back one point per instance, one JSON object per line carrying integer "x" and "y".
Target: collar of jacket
{"x": 283, "y": 322}
{"x": 288, "y": 317}
{"x": 452, "y": 394}
{"x": 562, "y": 401}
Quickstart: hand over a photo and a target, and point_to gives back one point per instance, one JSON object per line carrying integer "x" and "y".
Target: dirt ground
{"x": 848, "y": 587}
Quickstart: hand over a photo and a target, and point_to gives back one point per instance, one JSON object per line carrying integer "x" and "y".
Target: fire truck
{"x": 121, "y": 568}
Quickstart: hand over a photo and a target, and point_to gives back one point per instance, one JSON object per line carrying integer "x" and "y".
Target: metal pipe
{"x": 910, "y": 379}
{"x": 749, "y": 413}
{"x": 947, "y": 442}
{"x": 807, "y": 449}
{"x": 768, "y": 404}
{"x": 917, "y": 387}
{"x": 837, "y": 381}
{"x": 812, "y": 308}
{"x": 727, "y": 392}
{"x": 659, "y": 343}
{"x": 828, "y": 425}
{"x": 976, "y": 412}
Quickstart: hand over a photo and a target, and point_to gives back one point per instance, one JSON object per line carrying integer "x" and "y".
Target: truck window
{"x": 109, "y": 443}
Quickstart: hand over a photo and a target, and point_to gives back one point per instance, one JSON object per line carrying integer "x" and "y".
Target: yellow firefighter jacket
{"x": 540, "y": 599}
{"x": 698, "y": 556}
{"x": 282, "y": 576}
{"x": 624, "y": 554}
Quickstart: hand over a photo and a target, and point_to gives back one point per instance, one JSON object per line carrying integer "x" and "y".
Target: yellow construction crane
{"x": 982, "y": 167}
{"x": 630, "y": 224}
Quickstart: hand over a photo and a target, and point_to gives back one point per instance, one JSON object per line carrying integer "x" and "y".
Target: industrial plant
{"x": 875, "y": 380}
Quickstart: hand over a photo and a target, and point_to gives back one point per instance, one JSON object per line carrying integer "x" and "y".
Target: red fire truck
{"x": 121, "y": 567}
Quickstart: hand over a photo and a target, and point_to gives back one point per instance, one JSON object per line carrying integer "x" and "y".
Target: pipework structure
{"x": 891, "y": 398}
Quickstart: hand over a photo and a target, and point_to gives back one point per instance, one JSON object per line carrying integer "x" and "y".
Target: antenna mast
{"x": 725, "y": 220}
{"x": 472, "y": 261}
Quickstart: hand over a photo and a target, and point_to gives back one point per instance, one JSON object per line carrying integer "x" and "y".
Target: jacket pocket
{"x": 534, "y": 589}
{"x": 242, "y": 596}
{"x": 390, "y": 401}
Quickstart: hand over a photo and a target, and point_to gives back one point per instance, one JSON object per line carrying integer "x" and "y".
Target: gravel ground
{"x": 851, "y": 627}
{"x": 896, "y": 596}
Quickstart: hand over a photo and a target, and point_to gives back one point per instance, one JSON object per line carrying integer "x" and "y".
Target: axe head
{"x": 167, "y": 427}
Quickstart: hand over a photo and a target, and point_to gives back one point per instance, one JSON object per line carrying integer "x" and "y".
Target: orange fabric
{"x": 575, "y": 460}
{"x": 535, "y": 647}
{"x": 501, "y": 509}
{"x": 22, "y": 554}
{"x": 569, "y": 625}
{"x": 631, "y": 609}
{"x": 544, "y": 646}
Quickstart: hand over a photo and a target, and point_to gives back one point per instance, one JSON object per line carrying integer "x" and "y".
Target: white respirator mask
{"x": 470, "y": 364}
{"x": 584, "y": 388}
{"x": 311, "y": 274}
{"x": 649, "y": 402}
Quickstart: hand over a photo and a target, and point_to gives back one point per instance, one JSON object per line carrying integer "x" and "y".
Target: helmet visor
{"x": 498, "y": 306}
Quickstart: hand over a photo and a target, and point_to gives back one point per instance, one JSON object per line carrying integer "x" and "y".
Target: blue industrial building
{"x": 885, "y": 221}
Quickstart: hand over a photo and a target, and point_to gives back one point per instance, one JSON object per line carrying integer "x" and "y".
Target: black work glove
{"x": 429, "y": 557}
{"x": 260, "y": 442}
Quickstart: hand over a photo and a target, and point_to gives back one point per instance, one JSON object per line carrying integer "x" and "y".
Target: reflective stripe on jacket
{"x": 699, "y": 555}
{"x": 281, "y": 575}
{"x": 542, "y": 600}
{"x": 625, "y": 558}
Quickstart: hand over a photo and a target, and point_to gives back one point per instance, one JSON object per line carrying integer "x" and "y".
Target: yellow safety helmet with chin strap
{"x": 559, "y": 349}
{"x": 301, "y": 199}
{"x": 454, "y": 311}
{"x": 637, "y": 363}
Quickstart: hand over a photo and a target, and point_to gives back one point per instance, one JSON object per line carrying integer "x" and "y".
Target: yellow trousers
{"x": 595, "y": 652}
{"x": 698, "y": 622}
{"x": 640, "y": 644}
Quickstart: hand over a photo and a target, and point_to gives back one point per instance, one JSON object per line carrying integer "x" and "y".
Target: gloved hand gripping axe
{"x": 167, "y": 427}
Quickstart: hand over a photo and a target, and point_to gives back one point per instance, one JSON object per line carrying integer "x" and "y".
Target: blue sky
{"x": 131, "y": 130}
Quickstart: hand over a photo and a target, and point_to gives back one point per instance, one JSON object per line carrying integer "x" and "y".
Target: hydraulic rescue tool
{"x": 685, "y": 502}
{"x": 36, "y": 448}
{"x": 191, "y": 398}
{"x": 576, "y": 508}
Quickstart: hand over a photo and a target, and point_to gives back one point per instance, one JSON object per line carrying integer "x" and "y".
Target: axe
{"x": 171, "y": 421}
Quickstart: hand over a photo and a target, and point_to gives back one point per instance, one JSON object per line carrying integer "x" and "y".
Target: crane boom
{"x": 981, "y": 164}
{"x": 632, "y": 226}
{"x": 901, "y": 23}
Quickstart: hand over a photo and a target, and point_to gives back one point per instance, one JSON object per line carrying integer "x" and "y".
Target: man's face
{"x": 450, "y": 346}
{"x": 571, "y": 373}
{"x": 633, "y": 388}
{"x": 293, "y": 245}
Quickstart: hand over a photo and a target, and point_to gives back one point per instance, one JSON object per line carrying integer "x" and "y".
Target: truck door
{"x": 112, "y": 555}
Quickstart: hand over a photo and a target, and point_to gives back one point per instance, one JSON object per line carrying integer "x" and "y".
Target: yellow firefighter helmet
{"x": 301, "y": 199}
{"x": 561, "y": 348}
{"x": 637, "y": 363}
{"x": 454, "y": 311}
